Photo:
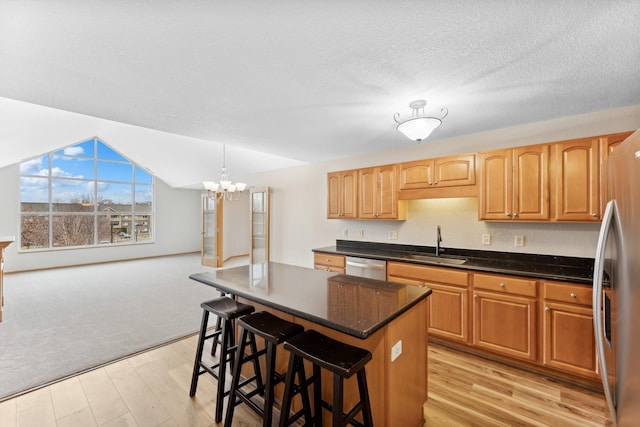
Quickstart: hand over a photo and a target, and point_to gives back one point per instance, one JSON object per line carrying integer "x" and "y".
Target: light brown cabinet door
{"x": 448, "y": 308}
{"x": 342, "y": 193}
{"x": 416, "y": 175}
{"x": 496, "y": 183}
{"x": 568, "y": 341}
{"x": 455, "y": 171}
{"x": 531, "y": 183}
{"x": 577, "y": 180}
{"x": 387, "y": 193}
{"x": 334, "y": 195}
{"x": 367, "y": 192}
{"x": 449, "y": 171}
{"x": 378, "y": 193}
{"x": 505, "y": 324}
{"x": 514, "y": 184}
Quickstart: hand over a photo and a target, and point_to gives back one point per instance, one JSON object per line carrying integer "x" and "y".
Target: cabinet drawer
{"x": 506, "y": 284}
{"x": 428, "y": 274}
{"x": 328, "y": 259}
{"x": 569, "y": 293}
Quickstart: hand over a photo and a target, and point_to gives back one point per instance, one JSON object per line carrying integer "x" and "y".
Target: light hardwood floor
{"x": 152, "y": 389}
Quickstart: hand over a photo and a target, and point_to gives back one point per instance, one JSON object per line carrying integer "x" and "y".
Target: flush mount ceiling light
{"x": 419, "y": 126}
{"x": 225, "y": 189}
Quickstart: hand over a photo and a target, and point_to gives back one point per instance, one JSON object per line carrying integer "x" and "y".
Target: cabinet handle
{"x": 502, "y": 285}
{"x": 475, "y": 295}
{"x": 547, "y": 309}
{"x": 593, "y": 214}
{"x": 515, "y": 214}
{"x": 508, "y": 213}
{"x": 573, "y": 295}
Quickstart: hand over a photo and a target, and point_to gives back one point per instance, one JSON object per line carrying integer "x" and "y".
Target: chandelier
{"x": 419, "y": 126}
{"x": 225, "y": 189}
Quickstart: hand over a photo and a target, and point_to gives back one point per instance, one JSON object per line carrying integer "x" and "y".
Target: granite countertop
{"x": 572, "y": 269}
{"x": 318, "y": 296}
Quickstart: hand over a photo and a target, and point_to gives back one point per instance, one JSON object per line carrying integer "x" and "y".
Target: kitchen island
{"x": 376, "y": 315}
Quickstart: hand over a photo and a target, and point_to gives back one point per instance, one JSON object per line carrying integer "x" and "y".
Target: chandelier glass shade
{"x": 224, "y": 189}
{"x": 419, "y": 126}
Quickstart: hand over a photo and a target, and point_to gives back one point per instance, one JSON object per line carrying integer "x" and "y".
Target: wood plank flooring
{"x": 152, "y": 389}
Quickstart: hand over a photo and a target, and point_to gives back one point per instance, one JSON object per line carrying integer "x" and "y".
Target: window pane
{"x": 143, "y": 228}
{"x": 115, "y": 197}
{"x": 84, "y": 149}
{"x": 144, "y": 198}
{"x": 34, "y": 231}
{"x": 114, "y": 228}
{"x": 38, "y": 166}
{"x": 109, "y": 171}
{"x": 72, "y": 230}
{"x": 70, "y": 167}
{"x": 106, "y": 153}
{"x": 143, "y": 177}
{"x": 70, "y": 195}
{"x": 34, "y": 194}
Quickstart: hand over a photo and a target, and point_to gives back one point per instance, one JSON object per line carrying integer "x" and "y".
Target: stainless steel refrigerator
{"x": 616, "y": 284}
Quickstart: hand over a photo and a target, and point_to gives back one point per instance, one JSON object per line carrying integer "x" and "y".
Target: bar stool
{"x": 227, "y": 311}
{"x": 340, "y": 359}
{"x": 273, "y": 330}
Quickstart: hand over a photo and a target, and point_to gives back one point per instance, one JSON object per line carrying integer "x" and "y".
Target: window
{"x": 84, "y": 195}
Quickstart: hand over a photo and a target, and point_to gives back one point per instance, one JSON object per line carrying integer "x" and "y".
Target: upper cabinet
{"x": 378, "y": 194}
{"x": 577, "y": 187}
{"x": 514, "y": 184}
{"x": 369, "y": 193}
{"x": 453, "y": 176}
{"x": 342, "y": 196}
{"x": 558, "y": 181}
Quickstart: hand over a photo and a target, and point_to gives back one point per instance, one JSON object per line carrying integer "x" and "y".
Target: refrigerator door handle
{"x": 598, "y": 277}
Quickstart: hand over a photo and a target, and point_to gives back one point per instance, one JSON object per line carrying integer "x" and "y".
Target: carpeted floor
{"x": 63, "y": 321}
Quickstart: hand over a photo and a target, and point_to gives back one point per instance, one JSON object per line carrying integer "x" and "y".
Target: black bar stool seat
{"x": 343, "y": 361}
{"x": 227, "y": 310}
{"x": 274, "y": 331}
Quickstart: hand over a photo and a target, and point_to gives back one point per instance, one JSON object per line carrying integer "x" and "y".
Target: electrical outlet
{"x": 345, "y": 232}
{"x": 361, "y": 233}
{"x": 486, "y": 239}
{"x": 396, "y": 350}
{"x": 393, "y": 235}
{"x": 519, "y": 241}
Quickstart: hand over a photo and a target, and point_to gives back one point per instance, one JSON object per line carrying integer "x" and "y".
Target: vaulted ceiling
{"x": 287, "y": 82}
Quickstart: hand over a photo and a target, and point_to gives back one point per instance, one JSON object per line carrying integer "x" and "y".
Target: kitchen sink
{"x": 436, "y": 259}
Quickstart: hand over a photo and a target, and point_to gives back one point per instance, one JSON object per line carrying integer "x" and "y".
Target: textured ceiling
{"x": 310, "y": 81}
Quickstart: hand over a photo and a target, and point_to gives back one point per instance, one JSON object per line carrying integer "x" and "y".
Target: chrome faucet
{"x": 438, "y": 240}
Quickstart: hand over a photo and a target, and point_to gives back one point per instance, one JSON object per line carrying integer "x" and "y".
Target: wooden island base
{"x": 397, "y": 389}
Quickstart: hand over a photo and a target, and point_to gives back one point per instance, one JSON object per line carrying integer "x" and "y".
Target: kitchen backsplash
{"x": 458, "y": 220}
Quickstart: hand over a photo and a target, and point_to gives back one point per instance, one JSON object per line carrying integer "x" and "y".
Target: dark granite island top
{"x": 388, "y": 319}
{"x": 315, "y": 295}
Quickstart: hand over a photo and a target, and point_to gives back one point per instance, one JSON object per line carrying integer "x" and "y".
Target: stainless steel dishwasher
{"x": 366, "y": 267}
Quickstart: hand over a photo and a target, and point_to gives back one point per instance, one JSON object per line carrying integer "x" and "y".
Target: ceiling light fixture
{"x": 419, "y": 126}
{"x": 225, "y": 189}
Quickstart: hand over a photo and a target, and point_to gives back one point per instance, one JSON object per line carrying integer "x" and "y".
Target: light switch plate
{"x": 393, "y": 235}
{"x": 396, "y": 350}
{"x": 486, "y": 239}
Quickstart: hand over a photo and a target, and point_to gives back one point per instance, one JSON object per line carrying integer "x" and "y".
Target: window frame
{"x": 147, "y": 217}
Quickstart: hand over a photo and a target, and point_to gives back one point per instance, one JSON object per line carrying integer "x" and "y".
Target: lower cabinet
{"x": 504, "y": 315}
{"x": 448, "y": 304}
{"x": 568, "y": 337}
{"x": 329, "y": 262}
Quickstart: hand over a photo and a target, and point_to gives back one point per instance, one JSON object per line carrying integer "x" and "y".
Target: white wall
{"x": 298, "y": 200}
{"x": 177, "y": 229}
